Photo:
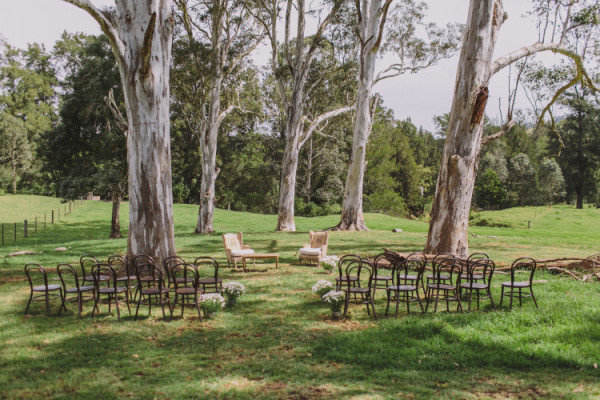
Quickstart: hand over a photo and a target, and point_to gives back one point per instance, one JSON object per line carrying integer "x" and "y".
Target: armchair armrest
{"x": 245, "y": 246}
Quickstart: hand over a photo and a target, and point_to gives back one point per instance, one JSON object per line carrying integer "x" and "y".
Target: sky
{"x": 418, "y": 96}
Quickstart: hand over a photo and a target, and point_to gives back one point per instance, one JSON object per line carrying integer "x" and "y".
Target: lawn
{"x": 279, "y": 342}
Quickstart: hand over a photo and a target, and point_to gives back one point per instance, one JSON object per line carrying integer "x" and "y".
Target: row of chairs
{"x": 140, "y": 281}
{"x": 450, "y": 279}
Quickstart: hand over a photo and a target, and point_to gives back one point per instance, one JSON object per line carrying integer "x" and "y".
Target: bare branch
{"x": 505, "y": 128}
{"x": 523, "y": 52}
{"x": 114, "y": 109}
{"x": 322, "y": 118}
{"x": 385, "y": 10}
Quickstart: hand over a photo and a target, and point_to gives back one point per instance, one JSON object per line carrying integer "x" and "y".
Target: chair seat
{"x": 241, "y": 252}
{"x": 345, "y": 279}
{"x": 408, "y": 277}
{"x": 188, "y": 290}
{"x": 442, "y": 277}
{"x": 155, "y": 290}
{"x": 382, "y": 278}
{"x": 475, "y": 277}
{"x": 516, "y": 284}
{"x": 43, "y": 288}
{"x": 402, "y": 288}
{"x": 309, "y": 251}
{"x": 210, "y": 280}
{"x": 81, "y": 289}
{"x": 126, "y": 278}
{"x": 473, "y": 286}
{"x": 441, "y": 286}
{"x": 181, "y": 279}
{"x": 358, "y": 290}
{"x": 118, "y": 289}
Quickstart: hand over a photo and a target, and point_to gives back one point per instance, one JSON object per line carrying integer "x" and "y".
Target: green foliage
{"x": 488, "y": 190}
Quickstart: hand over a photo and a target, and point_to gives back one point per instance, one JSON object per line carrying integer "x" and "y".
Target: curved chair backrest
{"x": 149, "y": 275}
{"x": 523, "y": 264}
{"x": 181, "y": 274}
{"x": 169, "y": 263}
{"x": 447, "y": 266}
{"x": 417, "y": 255}
{"x": 104, "y": 273}
{"x": 67, "y": 273}
{"x": 344, "y": 261}
{"x": 205, "y": 262}
{"x": 441, "y": 256}
{"x": 484, "y": 267}
{"x": 476, "y": 257}
{"x": 120, "y": 264}
{"x": 383, "y": 261}
{"x": 36, "y": 275}
{"x": 142, "y": 259}
{"x": 363, "y": 270}
{"x": 408, "y": 267}
{"x": 87, "y": 261}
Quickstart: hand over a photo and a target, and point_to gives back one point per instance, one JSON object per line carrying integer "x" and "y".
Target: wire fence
{"x": 11, "y": 232}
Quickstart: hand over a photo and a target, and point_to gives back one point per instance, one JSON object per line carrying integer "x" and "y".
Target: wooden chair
{"x": 361, "y": 290}
{"x": 38, "y": 283}
{"x": 153, "y": 290}
{"x": 341, "y": 280}
{"x": 404, "y": 288}
{"x": 186, "y": 287}
{"x": 212, "y": 284}
{"x": 478, "y": 278}
{"x": 444, "y": 282}
{"x": 514, "y": 288}
{"x": 235, "y": 248}
{"x": 68, "y": 275}
{"x": 316, "y": 249}
{"x": 106, "y": 274}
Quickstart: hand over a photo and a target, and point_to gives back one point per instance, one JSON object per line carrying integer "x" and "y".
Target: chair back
{"x": 446, "y": 270}
{"x": 36, "y": 275}
{"x": 142, "y": 259}
{"x": 208, "y": 263}
{"x": 233, "y": 241}
{"x": 418, "y": 255}
{"x": 344, "y": 261}
{"x": 120, "y": 264}
{"x": 181, "y": 274}
{"x": 484, "y": 267}
{"x": 523, "y": 264}
{"x": 87, "y": 262}
{"x": 410, "y": 266}
{"x": 169, "y": 263}
{"x": 149, "y": 275}
{"x": 384, "y": 262}
{"x": 68, "y": 274}
{"x": 475, "y": 257}
{"x": 104, "y": 273}
{"x": 319, "y": 240}
{"x": 363, "y": 270}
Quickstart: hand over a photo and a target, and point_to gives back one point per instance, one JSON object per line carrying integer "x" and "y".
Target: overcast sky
{"x": 418, "y": 96}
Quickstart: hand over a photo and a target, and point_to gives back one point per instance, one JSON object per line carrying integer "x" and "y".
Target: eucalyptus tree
{"x": 15, "y": 148}
{"x": 412, "y": 54}
{"x": 560, "y": 25}
{"x": 290, "y": 64}
{"x": 220, "y": 35}
{"x": 140, "y": 34}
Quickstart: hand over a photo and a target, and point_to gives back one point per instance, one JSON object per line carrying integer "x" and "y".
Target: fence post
{"x": 65, "y": 214}
{"x": 52, "y": 216}
{"x": 25, "y": 228}
{"x": 69, "y": 207}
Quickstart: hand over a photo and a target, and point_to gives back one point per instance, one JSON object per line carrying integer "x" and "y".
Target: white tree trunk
{"x": 140, "y": 34}
{"x": 448, "y": 228}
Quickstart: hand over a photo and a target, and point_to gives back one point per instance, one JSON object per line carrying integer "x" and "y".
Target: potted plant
{"x": 322, "y": 287}
{"x": 329, "y": 263}
{"x": 212, "y": 302}
{"x": 233, "y": 290}
{"x": 335, "y": 301}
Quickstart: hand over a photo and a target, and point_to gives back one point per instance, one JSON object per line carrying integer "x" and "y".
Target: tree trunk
{"x": 581, "y": 163}
{"x": 448, "y": 228}
{"x": 287, "y": 188}
{"x": 115, "y": 225}
{"x": 208, "y": 145}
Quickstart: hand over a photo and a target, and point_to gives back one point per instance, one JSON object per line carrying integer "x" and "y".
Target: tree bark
{"x": 140, "y": 34}
{"x": 115, "y": 224}
{"x": 448, "y": 228}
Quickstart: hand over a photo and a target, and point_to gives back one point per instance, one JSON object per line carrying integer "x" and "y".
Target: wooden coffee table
{"x": 256, "y": 256}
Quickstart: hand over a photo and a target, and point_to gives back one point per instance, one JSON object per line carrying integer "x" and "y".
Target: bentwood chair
{"x": 362, "y": 288}
{"x": 125, "y": 273}
{"x": 186, "y": 287}
{"x": 38, "y": 283}
{"x": 341, "y": 280}
{"x": 477, "y": 279}
{"x": 153, "y": 290}
{"x": 473, "y": 258}
{"x": 444, "y": 282}
{"x": 70, "y": 283}
{"x": 443, "y": 276}
{"x": 87, "y": 262}
{"x": 404, "y": 289}
{"x": 212, "y": 283}
{"x": 105, "y": 274}
{"x": 515, "y": 287}
{"x": 169, "y": 263}
{"x": 384, "y": 265}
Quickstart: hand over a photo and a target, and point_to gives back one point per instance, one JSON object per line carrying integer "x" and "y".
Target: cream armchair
{"x": 235, "y": 248}
{"x": 316, "y": 249}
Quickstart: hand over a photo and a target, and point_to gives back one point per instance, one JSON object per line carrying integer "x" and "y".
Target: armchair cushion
{"x": 309, "y": 251}
{"x": 243, "y": 252}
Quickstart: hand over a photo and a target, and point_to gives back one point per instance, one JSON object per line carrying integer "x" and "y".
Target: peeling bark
{"x": 115, "y": 225}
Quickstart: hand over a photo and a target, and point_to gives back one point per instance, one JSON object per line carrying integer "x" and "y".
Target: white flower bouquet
{"x": 212, "y": 302}
{"x": 329, "y": 262}
{"x": 334, "y": 299}
{"x": 233, "y": 290}
{"x": 322, "y": 287}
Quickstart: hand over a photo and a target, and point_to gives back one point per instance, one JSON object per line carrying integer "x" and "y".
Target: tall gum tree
{"x": 230, "y": 34}
{"x": 140, "y": 34}
{"x": 448, "y": 227}
{"x": 298, "y": 55}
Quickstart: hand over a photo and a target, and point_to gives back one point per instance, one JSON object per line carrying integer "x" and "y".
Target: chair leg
{"x": 346, "y": 305}
{"x": 138, "y": 306}
{"x": 419, "y": 300}
{"x": 501, "y": 296}
{"x": 511, "y": 297}
{"x": 470, "y": 298}
{"x": 520, "y": 297}
{"x": 388, "y": 303}
{"x": 491, "y": 299}
{"x": 79, "y": 301}
{"x": 29, "y": 302}
{"x": 397, "y": 303}
{"x": 427, "y": 303}
{"x": 117, "y": 305}
{"x": 533, "y": 297}
{"x": 47, "y": 303}
{"x": 62, "y": 303}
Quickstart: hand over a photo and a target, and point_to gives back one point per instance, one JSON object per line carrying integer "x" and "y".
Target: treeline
{"x": 61, "y": 134}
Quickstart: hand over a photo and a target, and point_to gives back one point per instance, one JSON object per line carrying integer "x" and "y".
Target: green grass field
{"x": 280, "y": 342}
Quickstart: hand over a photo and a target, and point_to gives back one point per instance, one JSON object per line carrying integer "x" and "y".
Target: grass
{"x": 280, "y": 342}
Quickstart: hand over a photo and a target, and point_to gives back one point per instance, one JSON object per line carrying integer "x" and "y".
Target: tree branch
{"x": 505, "y": 128}
{"x": 523, "y": 52}
{"x": 114, "y": 109}
{"x": 321, "y": 118}
{"x": 147, "y": 47}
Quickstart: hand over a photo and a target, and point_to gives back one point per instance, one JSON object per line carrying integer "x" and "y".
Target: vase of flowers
{"x": 212, "y": 303}
{"x": 335, "y": 301}
{"x": 233, "y": 290}
{"x": 329, "y": 263}
{"x": 322, "y": 287}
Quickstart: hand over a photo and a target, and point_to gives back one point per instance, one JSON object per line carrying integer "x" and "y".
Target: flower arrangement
{"x": 212, "y": 302}
{"x": 322, "y": 287}
{"x": 233, "y": 290}
{"x": 334, "y": 299}
{"x": 329, "y": 263}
